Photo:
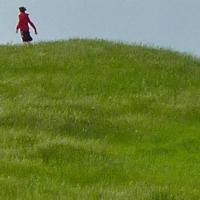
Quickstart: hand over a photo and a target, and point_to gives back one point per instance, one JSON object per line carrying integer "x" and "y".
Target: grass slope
{"x": 92, "y": 119}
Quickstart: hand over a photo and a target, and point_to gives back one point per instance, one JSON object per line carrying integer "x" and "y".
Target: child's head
{"x": 22, "y": 9}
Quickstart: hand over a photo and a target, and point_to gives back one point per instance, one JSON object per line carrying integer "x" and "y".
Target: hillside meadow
{"x": 93, "y": 119}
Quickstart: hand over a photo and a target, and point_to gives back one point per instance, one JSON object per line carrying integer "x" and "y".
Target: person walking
{"x": 23, "y": 25}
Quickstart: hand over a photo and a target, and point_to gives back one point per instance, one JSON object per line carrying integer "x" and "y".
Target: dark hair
{"x": 22, "y": 9}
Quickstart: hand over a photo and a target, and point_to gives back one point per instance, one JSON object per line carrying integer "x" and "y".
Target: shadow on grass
{"x": 21, "y": 121}
{"x": 78, "y": 165}
{"x": 96, "y": 125}
{"x": 93, "y": 124}
{"x": 162, "y": 196}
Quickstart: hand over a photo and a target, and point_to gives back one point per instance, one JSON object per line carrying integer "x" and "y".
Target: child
{"x": 23, "y": 23}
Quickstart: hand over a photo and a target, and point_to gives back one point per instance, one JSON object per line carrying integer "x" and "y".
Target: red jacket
{"x": 24, "y": 20}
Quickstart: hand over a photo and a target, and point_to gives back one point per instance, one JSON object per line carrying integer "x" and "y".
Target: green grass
{"x": 93, "y": 119}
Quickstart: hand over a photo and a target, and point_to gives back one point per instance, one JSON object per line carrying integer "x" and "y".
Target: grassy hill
{"x": 92, "y": 119}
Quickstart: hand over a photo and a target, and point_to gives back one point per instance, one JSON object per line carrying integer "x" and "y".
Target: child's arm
{"x": 18, "y": 24}
{"x": 32, "y": 24}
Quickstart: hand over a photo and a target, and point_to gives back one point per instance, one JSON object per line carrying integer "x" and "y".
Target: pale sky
{"x": 171, "y": 24}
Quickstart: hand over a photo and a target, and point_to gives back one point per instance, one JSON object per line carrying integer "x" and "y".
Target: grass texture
{"x": 93, "y": 119}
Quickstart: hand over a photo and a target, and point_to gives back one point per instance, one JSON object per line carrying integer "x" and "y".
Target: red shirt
{"x": 24, "y": 20}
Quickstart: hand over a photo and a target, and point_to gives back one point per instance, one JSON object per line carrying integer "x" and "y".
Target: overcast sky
{"x": 165, "y": 23}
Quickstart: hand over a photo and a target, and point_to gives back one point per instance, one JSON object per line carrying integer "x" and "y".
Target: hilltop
{"x": 94, "y": 119}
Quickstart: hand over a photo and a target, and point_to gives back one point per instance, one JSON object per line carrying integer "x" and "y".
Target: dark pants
{"x": 26, "y": 36}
